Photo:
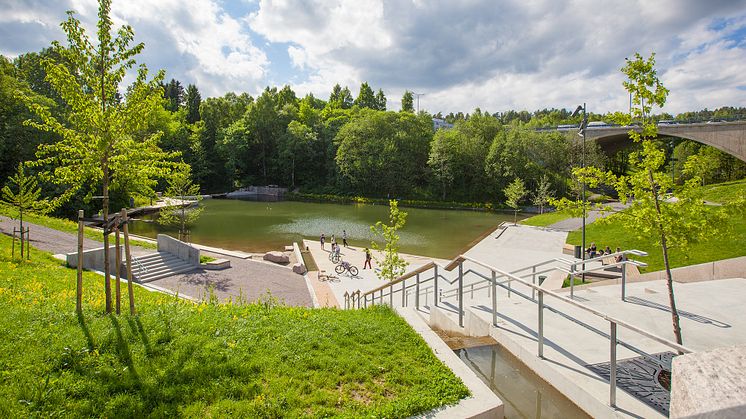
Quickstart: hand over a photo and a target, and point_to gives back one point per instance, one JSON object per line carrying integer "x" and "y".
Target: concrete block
{"x": 216, "y": 265}
{"x": 475, "y": 326}
{"x": 709, "y": 384}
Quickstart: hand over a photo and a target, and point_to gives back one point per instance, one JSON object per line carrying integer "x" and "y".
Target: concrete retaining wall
{"x": 93, "y": 259}
{"x": 719, "y": 269}
{"x": 178, "y": 248}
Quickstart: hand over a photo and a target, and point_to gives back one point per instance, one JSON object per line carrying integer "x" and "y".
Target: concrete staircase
{"x": 159, "y": 265}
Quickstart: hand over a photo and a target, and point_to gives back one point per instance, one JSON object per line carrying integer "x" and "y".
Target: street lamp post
{"x": 581, "y": 132}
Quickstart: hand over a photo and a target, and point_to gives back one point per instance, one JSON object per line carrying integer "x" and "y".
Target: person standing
{"x": 334, "y": 240}
{"x": 323, "y": 239}
{"x": 344, "y": 238}
{"x": 367, "y": 259}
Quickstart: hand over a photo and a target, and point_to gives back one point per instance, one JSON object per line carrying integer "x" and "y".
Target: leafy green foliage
{"x": 179, "y": 358}
{"x": 407, "y": 102}
{"x": 392, "y": 265}
{"x": 103, "y": 139}
{"x": 384, "y": 153}
{"x": 543, "y": 193}
{"x": 514, "y": 193}
{"x": 182, "y": 215}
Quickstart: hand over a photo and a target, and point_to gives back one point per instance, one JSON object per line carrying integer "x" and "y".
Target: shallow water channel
{"x": 524, "y": 394}
{"x": 260, "y": 226}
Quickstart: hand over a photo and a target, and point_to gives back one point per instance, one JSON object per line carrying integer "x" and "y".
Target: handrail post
{"x": 436, "y": 296}
{"x": 380, "y": 297}
{"x": 417, "y": 292}
{"x": 624, "y": 280}
{"x": 461, "y": 294}
{"x": 403, "y": 294}
{"x": 612, "y": 367}
{"x": 494, "y": 298}
{"x": 572, "y": 282}
{"x": 365, "y": 301}
{"x": 533, "y": 281}
{"x": 541, "y": 324}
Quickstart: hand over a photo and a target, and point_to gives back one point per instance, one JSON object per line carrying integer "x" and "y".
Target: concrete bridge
{"x": 729, "y": 137}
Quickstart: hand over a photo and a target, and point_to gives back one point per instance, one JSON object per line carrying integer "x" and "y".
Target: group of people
{"x": 593, "y": 252}
{"x": 336, "y": 248}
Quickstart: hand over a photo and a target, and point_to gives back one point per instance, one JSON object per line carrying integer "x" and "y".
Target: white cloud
{"x": 508, "y": 55}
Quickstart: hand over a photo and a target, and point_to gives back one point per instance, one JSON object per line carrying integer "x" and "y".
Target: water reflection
{"x": 261, "y": 226}
{"x": 525, "y": 395}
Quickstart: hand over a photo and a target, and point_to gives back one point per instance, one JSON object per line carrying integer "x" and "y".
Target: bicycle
{"x": 346, "y": 266}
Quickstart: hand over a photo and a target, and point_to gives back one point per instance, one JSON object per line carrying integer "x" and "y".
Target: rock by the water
{"x": 299, "y": 268}
{"x": 276, "y": 257}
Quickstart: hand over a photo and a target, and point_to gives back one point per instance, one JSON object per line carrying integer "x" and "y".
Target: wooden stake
{"x": 79, "y": 287}
{"x": 128, "y": 256}
{"x": 28, "y": 243}
{"x": 117, "y": 263}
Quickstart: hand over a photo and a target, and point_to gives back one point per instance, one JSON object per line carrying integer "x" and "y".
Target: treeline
{"x": 346, "y": 145}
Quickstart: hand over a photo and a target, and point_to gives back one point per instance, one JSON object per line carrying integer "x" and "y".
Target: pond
{"x": 260, "y": 226}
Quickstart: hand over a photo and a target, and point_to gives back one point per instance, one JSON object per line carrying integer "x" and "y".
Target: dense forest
{"x": 345, "y": 145}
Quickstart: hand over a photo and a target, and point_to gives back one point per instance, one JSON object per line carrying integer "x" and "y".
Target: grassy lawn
{"x": 68, "y": 226}
{"x": 178, "y": 358}
{"x": 614, "y": 234}
{"x": 548, "y": 218}
{"x": 725, "y": 192}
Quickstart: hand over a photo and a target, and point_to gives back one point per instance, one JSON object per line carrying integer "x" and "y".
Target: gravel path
{"x": 247, "y": 278}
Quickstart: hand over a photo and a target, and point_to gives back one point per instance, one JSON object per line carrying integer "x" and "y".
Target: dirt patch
{"x": 460, "y": 342}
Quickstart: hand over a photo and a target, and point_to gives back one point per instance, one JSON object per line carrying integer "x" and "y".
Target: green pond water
{"x": 261, "y": 226}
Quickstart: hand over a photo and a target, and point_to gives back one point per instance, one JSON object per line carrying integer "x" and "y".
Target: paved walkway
{"x": 572, "y": 224}
{"x": 248, "y": 279}
{"x": 338, "y": 284}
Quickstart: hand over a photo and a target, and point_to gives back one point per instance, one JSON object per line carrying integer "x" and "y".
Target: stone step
{"x": 150, "y": 278}
{"x": 166, "y": 267}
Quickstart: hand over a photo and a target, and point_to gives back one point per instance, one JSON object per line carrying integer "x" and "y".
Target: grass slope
{"x": 67, "y": 226}
{"x": 546, "y": 219}
{"x": 178, "y": 358}
{"x": 614, "y": 234}
{"x": 725, "y": 192}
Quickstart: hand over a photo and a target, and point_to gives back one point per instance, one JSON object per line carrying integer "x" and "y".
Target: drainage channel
{"x": 525, "y": 394}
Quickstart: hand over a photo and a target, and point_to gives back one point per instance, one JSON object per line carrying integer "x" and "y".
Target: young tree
{"x": 407, "y": 102}
{"x": 23, "y": 196}
{"x": 543, "y": 193}
{"x": 514, "y": 192}
{"x": 104, "y": 139}
{"x": 181, "y": 188}
{"x": 668, "y": 222}
{"x": 392, "y": 265}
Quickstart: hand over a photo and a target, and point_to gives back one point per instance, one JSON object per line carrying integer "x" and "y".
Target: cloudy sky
{"x": 495, "y": 55}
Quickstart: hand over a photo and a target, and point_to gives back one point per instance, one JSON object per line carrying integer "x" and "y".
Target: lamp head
{"x": 577, "y": 111}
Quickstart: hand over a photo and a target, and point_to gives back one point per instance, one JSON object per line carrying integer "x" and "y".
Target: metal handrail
{"x": 141, "y": 269}
{"x": 512, "y": 277}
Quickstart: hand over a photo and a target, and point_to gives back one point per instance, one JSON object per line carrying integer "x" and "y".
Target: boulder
{"x": 276, "y": 257}
{"x": 299, "y": 268}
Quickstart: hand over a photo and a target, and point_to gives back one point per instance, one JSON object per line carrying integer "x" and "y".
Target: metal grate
{"x": 639, "y": 377}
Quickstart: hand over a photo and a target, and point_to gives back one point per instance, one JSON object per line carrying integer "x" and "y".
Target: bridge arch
{"x": 728, "y": 137}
